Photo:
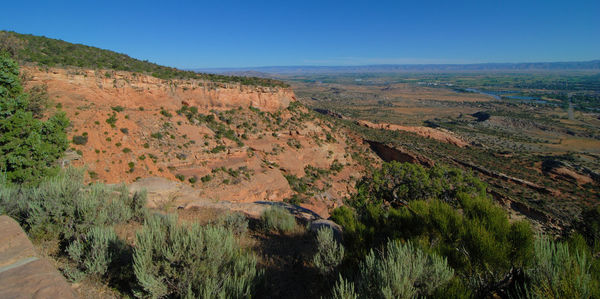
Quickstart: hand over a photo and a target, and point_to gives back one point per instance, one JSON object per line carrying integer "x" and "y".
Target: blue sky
{"x": 198, "y": 34}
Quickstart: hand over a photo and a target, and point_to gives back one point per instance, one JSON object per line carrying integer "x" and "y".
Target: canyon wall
{"x": 132, "y": 90}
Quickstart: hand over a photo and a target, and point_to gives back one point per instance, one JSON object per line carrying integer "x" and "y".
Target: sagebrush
{"x": 191, "y": 261}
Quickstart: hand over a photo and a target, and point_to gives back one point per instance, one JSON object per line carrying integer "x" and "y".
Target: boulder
{"x": 24, "y": 274}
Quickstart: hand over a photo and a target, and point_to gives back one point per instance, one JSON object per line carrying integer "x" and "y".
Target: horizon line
{"x": 391, "y": 64}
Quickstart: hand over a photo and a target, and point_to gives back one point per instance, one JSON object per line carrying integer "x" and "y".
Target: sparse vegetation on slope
{"x": 50, "y": 52}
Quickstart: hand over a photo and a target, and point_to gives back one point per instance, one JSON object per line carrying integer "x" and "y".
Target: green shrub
{"x": 276, "y": 218}
{"x": 191, "y": 261}
{"x": 344, "y": 289}
{"x": 401, "y": 271}
{"x": 29, "y": 147}
{"x": 112, "y": 120}
{"x": 556, "y": 272}
{"x": 38, "y": 100}
{"x": 235, "y": 222}
{"x": 165, "y": 113}
{"x": 218, "y": 149}
{"x": 590, "y": 225}
{"x": 94, "y": 252}
{"x": 329, "y": 138}
{"x": 299, "y": 185}
{"x": 125, "y": 131}
{"x": 193, "y": 179}
{"x": 93, "y": 175}
{"x": 397, "y": 183}
{"x": 180, "y": 177}
{"x": 63, "y": 207}
{"x": 206, "y": 178}
{"x": 80, "y": 140}
{"x": 294, "y": 143}
{"x": 118, "y": 108}
{"x": 126, "y": 150}
{"x": 137, "y": 204}
{"x": 329, "y": 253}
{"x": 336, "y": 166}
{"x": 447, "y": 213}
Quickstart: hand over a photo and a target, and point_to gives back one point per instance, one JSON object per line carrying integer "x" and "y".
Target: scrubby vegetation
{"x": 401, "y": 271}
{"x": 172, "y": 260}
{"x": 80, "y": 140}
{"x": 447, "y": 213}
{"x": 558, "y": 271}
{"x": 278, "y": 219}
{"x": 329, "y": 253}
{"x": 169, "y": 259}
{"x": 79, "y": 217}
{"x": 49, "y": 52}
{"x": 29, "y": 147}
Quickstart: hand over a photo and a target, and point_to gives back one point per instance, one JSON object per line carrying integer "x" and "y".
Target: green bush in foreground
{"x": 191, "y": 261}
{"x": 344, "y": 289}
{"x": 452, "y": 217}
{"x": 401, "y": 271}
{"x": 237, "y": 223}
{"x": 29, "y": 147}
{"x": 94, "y": 252}
{"x": 64, "y": 208}
{"x": 557, "y": 272}
{"x": 329, "y": 252}
{"x": 81, "y": 218}
{"x": 278, "y": 219}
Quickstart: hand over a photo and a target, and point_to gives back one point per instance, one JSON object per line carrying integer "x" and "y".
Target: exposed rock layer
{"x": 23, "y": 274}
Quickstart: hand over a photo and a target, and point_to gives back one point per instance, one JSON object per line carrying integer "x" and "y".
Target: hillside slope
{"x": 234, "y": 142}
{"x": 48, "y": 52}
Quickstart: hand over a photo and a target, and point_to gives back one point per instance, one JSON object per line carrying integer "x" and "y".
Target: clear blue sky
{"x": 197, "y": 34}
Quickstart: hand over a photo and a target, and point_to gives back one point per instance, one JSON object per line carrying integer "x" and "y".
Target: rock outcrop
{"x": 432, "y": 133}
{"x": 395, "y": 153}
{"x": 23, "y": 273}
{"x": 164, "y": 192}
{"x": 132, "y": 90}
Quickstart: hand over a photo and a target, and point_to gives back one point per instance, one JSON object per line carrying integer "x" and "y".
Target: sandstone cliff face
{"x": 133, "y": 130}
{"x": 135, "y": 90}
{"x": 432, "y": 133}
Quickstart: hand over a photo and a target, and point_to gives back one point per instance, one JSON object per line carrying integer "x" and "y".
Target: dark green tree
{"x": 29, "y": 147}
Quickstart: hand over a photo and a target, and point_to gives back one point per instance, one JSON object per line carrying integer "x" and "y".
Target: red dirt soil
{"x": 88, "y": 97}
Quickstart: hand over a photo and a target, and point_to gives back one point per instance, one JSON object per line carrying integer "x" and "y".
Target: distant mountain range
{"x": 404, "y": 68}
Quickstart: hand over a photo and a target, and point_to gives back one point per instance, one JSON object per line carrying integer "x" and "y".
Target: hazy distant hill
{"x": 43, "y": 51}
{"x": 397, "y": 68}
